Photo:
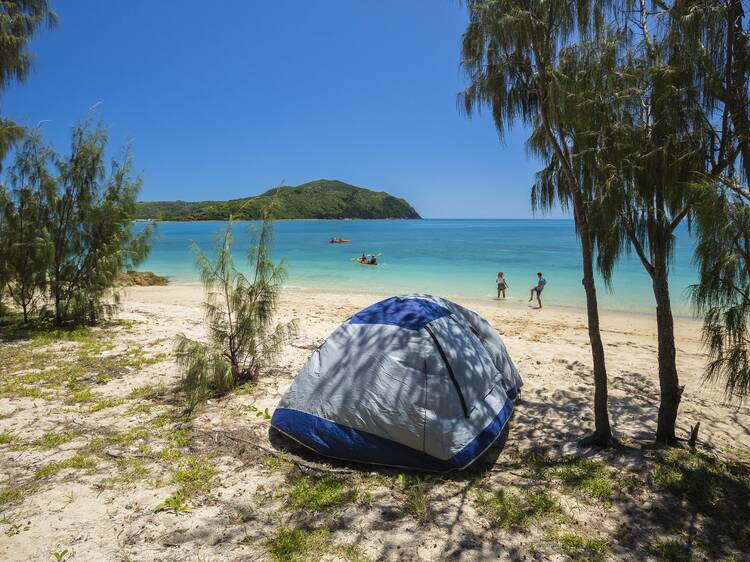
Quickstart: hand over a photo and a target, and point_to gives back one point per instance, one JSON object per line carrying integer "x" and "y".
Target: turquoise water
{"x": 457, "y": 258}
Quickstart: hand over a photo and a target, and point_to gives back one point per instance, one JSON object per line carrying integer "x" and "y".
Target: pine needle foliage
{"x": 89, "y": 223}
{"x": 723, "y": 293}
{"x": 24, "y": 241}
{"x": 722, "y": 296}
{"x": 514, "y": 54}
{"x": 239, "y": 310}
{"x": 66, "y": 227}
{"x": 19, "y": 21}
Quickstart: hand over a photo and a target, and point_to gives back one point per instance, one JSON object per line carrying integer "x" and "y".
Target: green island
{"x": 320, "y": 199}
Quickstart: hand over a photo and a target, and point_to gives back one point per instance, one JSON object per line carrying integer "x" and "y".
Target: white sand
{"x": 550, "y": 347}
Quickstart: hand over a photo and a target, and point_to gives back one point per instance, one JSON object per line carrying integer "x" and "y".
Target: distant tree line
{"x": 319, "y": 199}
{"x": 639, "y": 111}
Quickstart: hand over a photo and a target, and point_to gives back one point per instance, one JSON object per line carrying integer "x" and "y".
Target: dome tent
{"x": 415, "y": 381}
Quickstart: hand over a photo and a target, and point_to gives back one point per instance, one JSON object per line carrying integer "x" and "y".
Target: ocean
{"x": 447, "y": 257}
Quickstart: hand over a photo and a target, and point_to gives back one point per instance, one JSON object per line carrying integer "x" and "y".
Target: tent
{"x": 413, "y": 381}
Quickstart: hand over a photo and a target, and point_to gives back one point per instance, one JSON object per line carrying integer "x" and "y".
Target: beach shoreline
{"x": 511, "y": 303}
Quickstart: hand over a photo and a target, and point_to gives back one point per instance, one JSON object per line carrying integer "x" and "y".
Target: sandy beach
{"x": 102, "y": 507}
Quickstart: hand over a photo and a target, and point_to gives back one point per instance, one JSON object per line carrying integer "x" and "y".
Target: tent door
{"x": 450, "y": 371}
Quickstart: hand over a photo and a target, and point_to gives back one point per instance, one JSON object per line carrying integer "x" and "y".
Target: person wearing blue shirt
{"x": 539, "y": 287}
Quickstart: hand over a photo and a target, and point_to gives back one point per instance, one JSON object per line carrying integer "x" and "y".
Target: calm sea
{"x": 440, "y": 256}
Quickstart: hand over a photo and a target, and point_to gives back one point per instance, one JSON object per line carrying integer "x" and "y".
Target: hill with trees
{"x": 321, "y": 199}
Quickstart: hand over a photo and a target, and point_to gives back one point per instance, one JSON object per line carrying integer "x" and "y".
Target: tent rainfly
{"x": 414, "y": 381}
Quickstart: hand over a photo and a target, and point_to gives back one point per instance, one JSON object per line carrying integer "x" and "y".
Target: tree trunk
{"x": 58, "y": 306}
{"x": 602, "y": 431}
{"x": 669, "y": 384}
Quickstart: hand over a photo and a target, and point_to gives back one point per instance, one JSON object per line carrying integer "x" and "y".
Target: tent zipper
{"x": 450, "y": 371}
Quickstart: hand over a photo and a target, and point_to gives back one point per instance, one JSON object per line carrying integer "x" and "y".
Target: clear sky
{"x": 226, "y": 99}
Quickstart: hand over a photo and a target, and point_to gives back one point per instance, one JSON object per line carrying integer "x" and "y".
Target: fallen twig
{"x": 284, "y": 455}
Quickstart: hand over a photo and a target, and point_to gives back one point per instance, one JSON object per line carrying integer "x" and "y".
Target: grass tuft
{"x": 103, "y": 404}
{"x": 580, "y": 547}
{"x": 17, "y": 390}
{"x": 297, "y": 544}
{"x": 587, "y": 478}
{"x": 414, "y": 490}
{"x": 80, "y": 461}
{"x": 148, "y": 392}
{"x": 10, "y": 496}
{"x": 674, "y": 551}
{"x": 194, "y": 476}
{"x": 508, "y": 510}
{"x": 700, "y": 480}
{"x": 53, "y": 439}
{"x": 324, "y": 494}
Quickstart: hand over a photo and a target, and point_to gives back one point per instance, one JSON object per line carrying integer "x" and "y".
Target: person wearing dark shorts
{"x": 502, "y": 284}
{"x": 538, "y": 288}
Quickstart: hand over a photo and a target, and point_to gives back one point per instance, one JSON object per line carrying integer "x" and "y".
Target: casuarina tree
{"x": 243, "y": 336}
{"x": 511, "y": 54}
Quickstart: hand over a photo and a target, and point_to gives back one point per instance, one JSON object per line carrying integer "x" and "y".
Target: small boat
{"x": 338, "y": 241}
{"x": 366, "y": 260}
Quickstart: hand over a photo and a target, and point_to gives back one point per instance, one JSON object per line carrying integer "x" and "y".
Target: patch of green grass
{"x": 121, "y": 439}
{"x": 80, "y": 461}
{"x": 52, "y": 376}
{"x": 414, "y": 491}
{"x": 82, "y": 396}
{"x": 178, "y": 437}
{"x": 742, "y": 454}
{"x": 505, "y": 509}
{"x": 10, "y": 496}
{"x": 53, "y": 439}
{"x": 247, "y": 388}
{"x": 194, "y": 476}
{"x": 587, "y": 478}
{"x": 276, "y": 462}
{"x": 674, "y": 551}
{"x": 44, "y": 335}
{"x": 163, "y": 420}
{"x": 702, "y": 481}
{"x": 170, "y": 454}
{"x": 6, "y": 437}
{"x": 129, "y": 437}
{"x": 132, "y": 470}
{"x": 104, "y": 404}
{"x": 148, "y": 392}
{"x": 16, "y": 390}
{"x": 324, "y": 494}
{"x": 581, "y": 547}
{"x": 139, "y": 408}
{"x": 297, "y": 544}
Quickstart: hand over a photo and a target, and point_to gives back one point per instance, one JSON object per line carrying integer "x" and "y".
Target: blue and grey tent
{"x": 414, "y": 381}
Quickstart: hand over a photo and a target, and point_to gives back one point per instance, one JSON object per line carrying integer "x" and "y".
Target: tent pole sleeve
{"x": 450, "y": 371}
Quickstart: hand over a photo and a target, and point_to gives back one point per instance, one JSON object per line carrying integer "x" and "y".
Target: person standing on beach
{"x": 539, "y": 287}
{"x": 502, "y": 284}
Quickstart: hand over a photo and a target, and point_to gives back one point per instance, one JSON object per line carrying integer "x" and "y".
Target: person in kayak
{"x": 538, "y": 288}
{"x": 502, "y": 284}
{"x": 373, "y": 260}
{"x": 363, "y": 259}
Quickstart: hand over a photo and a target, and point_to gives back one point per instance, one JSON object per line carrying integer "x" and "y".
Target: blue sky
{"x": 226, "y": 99}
